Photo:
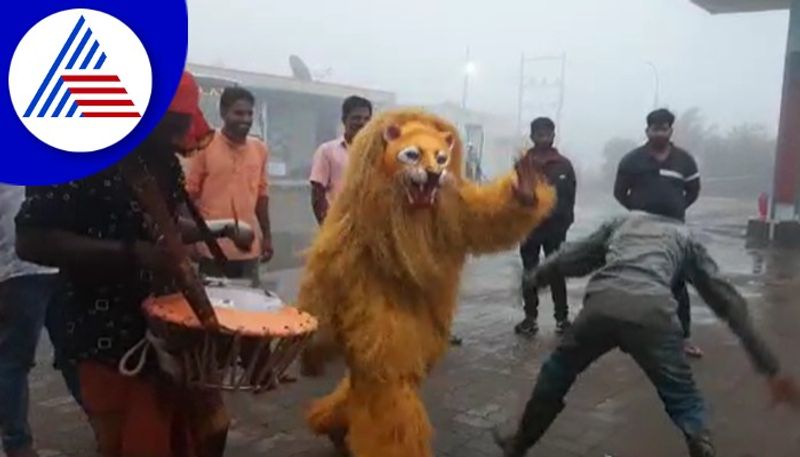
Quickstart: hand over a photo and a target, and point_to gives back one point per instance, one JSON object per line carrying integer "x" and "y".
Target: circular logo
{"x": 80, "y": 80}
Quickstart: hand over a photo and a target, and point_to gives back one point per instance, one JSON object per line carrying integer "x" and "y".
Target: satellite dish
{"x": 299, "y": 68}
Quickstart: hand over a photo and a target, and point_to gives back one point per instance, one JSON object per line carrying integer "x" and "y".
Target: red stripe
{"x": 104, "y": 102}
{"x": 118, "y": 114}
{"x": 90, "y": 78}
{"x": 98, "y": 90}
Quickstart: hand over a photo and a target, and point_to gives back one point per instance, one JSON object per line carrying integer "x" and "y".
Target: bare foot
{"x": 691, "y": 350}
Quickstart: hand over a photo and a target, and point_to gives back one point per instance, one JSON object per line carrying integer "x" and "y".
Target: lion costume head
{"x": 399, "y": 203}
{"x": 396, "y": 238}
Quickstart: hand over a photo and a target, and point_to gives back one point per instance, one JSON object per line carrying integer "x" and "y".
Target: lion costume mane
{"x": 382, "y": 278}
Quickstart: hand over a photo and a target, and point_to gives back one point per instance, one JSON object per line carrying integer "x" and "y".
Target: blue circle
{"x": 161, "y": 25}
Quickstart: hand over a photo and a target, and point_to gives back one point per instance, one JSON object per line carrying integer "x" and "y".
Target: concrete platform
{"x": 612, "y": 411}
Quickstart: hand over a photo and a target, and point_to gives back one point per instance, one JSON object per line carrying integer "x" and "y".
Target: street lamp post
{"x": 469, "y": 69}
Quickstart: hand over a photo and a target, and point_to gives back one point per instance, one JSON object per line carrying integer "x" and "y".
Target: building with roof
{"x": 294, "y": 115}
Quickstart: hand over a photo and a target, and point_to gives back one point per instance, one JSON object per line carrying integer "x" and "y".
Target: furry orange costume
{"x": 382, "y": 275}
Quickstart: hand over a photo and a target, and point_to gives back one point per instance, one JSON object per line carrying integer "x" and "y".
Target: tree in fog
{"x": 692, "y": 133}
{"x": 613, "y": 151}
{"x": 736, "y": 163}
{"x": 740, "y": 163}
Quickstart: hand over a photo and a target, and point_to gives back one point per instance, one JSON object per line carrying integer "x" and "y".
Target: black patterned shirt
{"x": 102, "y": 319}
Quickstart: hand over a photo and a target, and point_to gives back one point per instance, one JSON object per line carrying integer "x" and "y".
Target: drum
{"x": 258, "y": 337}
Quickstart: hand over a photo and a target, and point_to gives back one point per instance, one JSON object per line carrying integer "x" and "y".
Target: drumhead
{"x": 243, "y": 299}
{"x": 238, "y": 309}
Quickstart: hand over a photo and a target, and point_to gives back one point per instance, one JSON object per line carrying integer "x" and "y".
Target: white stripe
{"x": 670, "y": 173}
{"x": 693, "y": 177}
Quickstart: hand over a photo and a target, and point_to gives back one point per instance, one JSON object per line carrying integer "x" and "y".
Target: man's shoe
{"x": 700, "y": 446}
{"x": 509, "y": 444}
{"x": 527, "y": 328}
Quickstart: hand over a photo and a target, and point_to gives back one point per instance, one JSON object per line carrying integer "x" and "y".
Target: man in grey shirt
{"x": 629, "y": 305}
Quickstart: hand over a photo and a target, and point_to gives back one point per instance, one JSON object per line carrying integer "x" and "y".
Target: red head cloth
{"x": 187, "y": 101}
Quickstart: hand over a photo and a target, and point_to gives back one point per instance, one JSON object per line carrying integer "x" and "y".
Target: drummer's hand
{"x": 266, "y": 249}
{"x": 242, "y": 239}
{"x": 151, "y": 256}
{"x": 783, "y": 389}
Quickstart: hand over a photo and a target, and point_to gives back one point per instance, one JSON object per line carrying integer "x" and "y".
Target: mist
{"x": 730, "y": 67}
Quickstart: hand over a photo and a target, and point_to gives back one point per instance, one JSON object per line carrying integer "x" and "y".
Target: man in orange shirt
{"x": 228, "y": 179}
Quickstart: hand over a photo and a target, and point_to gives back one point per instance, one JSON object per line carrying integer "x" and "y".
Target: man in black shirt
{"x": 549, "y": 236}
{"x": 661, "y": 178}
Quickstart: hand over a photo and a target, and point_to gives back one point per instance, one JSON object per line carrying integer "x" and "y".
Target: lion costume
{"x": 382, "y": 276}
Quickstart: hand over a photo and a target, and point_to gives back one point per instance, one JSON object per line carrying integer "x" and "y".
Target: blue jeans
{"x": 681, "y": 294}
{"x": 23, "y": 307}
{"x": 658, "y": 351}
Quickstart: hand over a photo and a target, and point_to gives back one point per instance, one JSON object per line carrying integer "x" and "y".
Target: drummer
{"x": 95, "y": 234}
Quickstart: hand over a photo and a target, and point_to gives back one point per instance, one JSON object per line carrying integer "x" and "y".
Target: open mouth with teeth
{"x": 421, "y": 190}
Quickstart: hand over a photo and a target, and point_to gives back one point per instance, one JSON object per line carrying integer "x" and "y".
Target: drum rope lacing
{"x": 166, "y": 361}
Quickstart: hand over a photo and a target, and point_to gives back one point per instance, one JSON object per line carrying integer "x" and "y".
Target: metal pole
{"x": 562, "y": 88}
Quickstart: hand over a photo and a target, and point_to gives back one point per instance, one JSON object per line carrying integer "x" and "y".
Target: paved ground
{"x": 612, "y": 411}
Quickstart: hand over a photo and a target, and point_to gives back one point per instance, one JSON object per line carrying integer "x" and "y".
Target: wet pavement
{"x": 612, "y": 410}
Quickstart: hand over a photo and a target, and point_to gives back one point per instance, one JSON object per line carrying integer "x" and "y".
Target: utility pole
{"x": 525, "y": 82}
{"x": 562, "y": 88}
{"x": 469, "y": 67}
{"x": 657, "y": 79}
{"x": 521, "y": 92}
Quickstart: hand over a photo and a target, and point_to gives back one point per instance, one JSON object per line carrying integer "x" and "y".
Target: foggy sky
{"x": 730, "y": 66}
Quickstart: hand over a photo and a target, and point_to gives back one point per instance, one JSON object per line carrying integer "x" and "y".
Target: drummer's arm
{"x": 46, "y": 228}
{"x": 190, "y": 232}
{"x": 74, "y": 253}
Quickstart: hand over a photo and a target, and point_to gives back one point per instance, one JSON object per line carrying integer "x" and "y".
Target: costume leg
{"x": 388, "y": 419}
{"x": 328, "y": 415}
{"x": 591, "y": 337}
{"x": 660, "y": 354}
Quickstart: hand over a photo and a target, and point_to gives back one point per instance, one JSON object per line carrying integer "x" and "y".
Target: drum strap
{"x": 164, "y": 228}
{"x": 166, "y": 361}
